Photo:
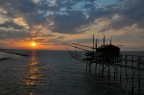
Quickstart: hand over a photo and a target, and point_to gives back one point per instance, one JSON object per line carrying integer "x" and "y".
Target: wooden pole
{"x": 117, "y": 62}
{"x": 96, "y": 45}
{"x": 126, "y": 69}
{"x": 104, "y": 40}
{"x": 95, "y": 68}
{"x": 102, "y": 69}
{"x": 120, "y": 68}
{"x": 86, "y": 66}
{"x": 90, "y": 67}
{"x": 139, "y": 78}
{"x": 132, "y": 89}
{"x": 99, "y": 70}
{"x": 109, "y": 75}
{"x": 114, "y": 70}
{"x": 93, "y": 43}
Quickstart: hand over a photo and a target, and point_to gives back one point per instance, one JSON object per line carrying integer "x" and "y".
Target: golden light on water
{"x": 33, "y": 71}
{"x": 33, "y": 75}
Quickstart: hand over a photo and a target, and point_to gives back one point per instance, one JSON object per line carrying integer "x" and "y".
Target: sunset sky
{"x": 52, "y": 22}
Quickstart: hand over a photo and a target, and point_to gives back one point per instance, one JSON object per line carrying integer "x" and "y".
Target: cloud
{"x": 131, "y": 13}
{"x": 3, "y": 11}
{"x": 3, "y": 19}
{"x": 58, "y": 20}
{"x": 64, "y": 16}
{"x": 12, "y": 35}
{"x": 3, "y": 16}
{"x": 21, "y": 22}
{"x": 6, "y": 26}
{"x": 37, "y": 1}
{"x": 68, "y": 23}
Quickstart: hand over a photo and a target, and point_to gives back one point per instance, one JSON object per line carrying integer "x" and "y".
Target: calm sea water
{"x": 48, "y": 73}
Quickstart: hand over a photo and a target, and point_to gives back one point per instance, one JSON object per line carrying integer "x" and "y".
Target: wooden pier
{"x": 127, "y": 70}
{"x": 107, "y": 65}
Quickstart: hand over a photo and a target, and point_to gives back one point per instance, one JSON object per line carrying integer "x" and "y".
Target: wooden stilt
{"x": 132, "y": 89}
{"x": 99, "y": 70}
{"x": 126, "y": 76}
{"x": 96, "y": 68}
{"x": 139, "y": 76}
{"x": 120, "y": 68}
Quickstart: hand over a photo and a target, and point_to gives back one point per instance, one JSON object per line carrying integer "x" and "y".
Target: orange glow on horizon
{"x": 33, "y": 45}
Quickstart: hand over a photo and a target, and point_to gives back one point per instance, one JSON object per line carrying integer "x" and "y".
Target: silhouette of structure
{"x": 108, "y": 65}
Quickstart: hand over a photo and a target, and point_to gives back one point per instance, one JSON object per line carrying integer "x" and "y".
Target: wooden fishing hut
{"x": 108, "y": 65}
{"x": 105, "y": 53}
{"x": 108, "y": 51}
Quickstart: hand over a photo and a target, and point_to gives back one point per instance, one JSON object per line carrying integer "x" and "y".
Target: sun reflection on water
{"x": 33, "y": 78}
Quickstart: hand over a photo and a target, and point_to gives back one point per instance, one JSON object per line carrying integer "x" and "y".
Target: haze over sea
{"x": 49, "y": 73}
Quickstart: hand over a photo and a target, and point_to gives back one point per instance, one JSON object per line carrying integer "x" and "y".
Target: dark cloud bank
{"x": 67, "y": 16}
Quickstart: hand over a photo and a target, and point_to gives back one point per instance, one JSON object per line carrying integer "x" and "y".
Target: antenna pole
{"x": 96, "y": 45}
{"x": 93, "y": 42}
{"x": 104, "y": 40}
{"x": 111, "y": 41}
{"x": 98, "y": 42}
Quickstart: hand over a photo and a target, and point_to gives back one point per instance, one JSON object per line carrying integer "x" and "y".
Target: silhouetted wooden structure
{"x": 108, "y": 51}
{"x": 108, "y": 65}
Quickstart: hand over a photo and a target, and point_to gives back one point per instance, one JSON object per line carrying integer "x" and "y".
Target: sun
{"x": 33, "y": 44}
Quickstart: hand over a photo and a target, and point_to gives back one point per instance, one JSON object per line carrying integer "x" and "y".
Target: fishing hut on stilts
{"x": 108, "y": 65}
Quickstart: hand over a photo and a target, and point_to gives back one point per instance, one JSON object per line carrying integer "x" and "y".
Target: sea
{"x": 46, "y": 72}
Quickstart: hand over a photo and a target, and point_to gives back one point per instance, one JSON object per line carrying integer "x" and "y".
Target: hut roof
{"x": 108, "y": 46}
